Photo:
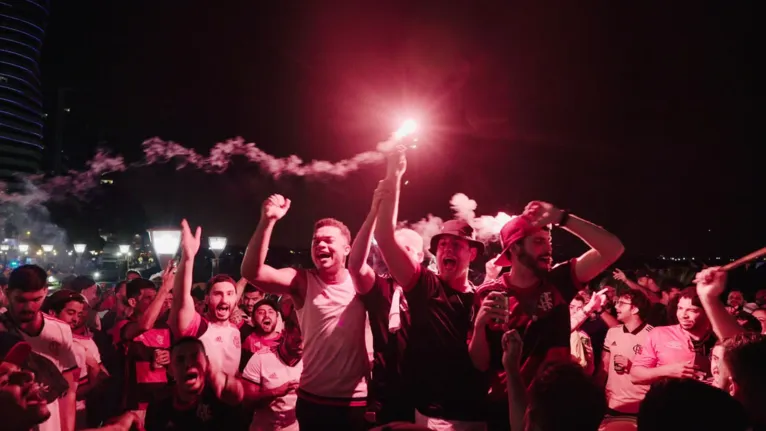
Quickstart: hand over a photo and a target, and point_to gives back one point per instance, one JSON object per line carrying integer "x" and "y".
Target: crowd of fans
{"x": 384, "y": 341}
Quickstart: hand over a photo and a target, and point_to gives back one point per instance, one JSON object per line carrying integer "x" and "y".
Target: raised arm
{"x": 400, "y": 265}
{"x": 710, "y": 285}
{"x": 361, "y": 272}
{"x": 182, "y": 310}
{"x": 650, "y": 294}
{"x": 147, "y": 320}
{"x": 283, "y": 281}
{"x": 605, "y": 247}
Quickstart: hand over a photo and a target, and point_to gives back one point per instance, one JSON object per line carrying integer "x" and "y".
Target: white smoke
{"x": 487, "y": 227}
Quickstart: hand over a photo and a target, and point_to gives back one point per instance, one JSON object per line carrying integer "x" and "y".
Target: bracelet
{"x": 564, "y": 218}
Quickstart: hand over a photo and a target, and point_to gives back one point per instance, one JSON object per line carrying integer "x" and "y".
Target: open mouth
{"x": 323, "y": 255}
{"x": 266, "y": 322}
{"x": 546, "y": 259}
{"x": 449, "y": 263}
{"x": 191, "y": 376}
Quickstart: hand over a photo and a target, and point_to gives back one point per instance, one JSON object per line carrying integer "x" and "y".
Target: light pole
{"x": 217, "y": 244}
{"x": 24, "y": 249}
{"x": 4, "y": 248}
{"x": 165, "y": 243}
{"x": 79, "y": 249}
{"x": 125, "y": 250}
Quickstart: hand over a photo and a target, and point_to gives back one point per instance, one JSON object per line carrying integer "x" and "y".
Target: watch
{"x": 564, "y": 218}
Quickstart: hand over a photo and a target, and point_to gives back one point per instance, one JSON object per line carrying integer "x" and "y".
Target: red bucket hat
{"x": 460, "y": 229}
{"x": 517, "y": 228}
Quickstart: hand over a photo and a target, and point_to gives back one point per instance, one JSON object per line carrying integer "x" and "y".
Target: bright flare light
{"x": 79, "y": 248}
{"x": 407, "y": 128}
{"x": 165, "y": 241}
{"x": 47, "y": 248}
{"x": 217, "y": 243}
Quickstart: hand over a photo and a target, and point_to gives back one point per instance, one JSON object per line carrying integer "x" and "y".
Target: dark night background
{"x": 639, "y": 118}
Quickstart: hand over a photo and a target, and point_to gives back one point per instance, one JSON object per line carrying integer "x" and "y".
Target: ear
{"x": 132, "y": 302}
{"x": 346, "y": 250}
{"x": 733, "y": 388}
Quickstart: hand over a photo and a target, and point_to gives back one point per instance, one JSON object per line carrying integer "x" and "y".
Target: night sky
{"x": 639, "y": 118}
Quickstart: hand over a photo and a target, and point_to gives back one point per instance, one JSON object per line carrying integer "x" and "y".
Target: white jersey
{"x": 84, "y": 348}
{"x": 266, "y": 370}
{"x": 335, "y": 359}
{"x": 221, "y": 340}
{"x": 55, "y": 343}
{"x": 621, "y": 394}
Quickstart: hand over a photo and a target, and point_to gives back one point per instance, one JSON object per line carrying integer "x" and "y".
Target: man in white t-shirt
{"x": 333, "y": 387}
{"x": 275, "y": 374}
{"x": 70, "y": 307}
{"x": 220, "y": 337}
{"x": 621, "y": 345}
{"x": 48, "y": 336}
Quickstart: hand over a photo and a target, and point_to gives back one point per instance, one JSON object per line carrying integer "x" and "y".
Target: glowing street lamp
{"x": 165, "y": 243}
{"x": 79, "y": 248}
{"x": 125, "y": 250}
{"x": 5, "y": 247}
{"x": 217, "y": 244}
{"x": 24, "y": 248}
{"x": 47, "y": 248}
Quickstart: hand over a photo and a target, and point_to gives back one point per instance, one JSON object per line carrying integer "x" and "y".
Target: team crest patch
{"x": 546, "y": 301}
{"x": 236, "y": 341}
{"x": 637, "y": 349}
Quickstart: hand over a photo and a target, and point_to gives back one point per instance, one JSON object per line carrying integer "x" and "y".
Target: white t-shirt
{"x": 84, "y": 347}
{"x": 621, "y": 394}
{"x": 221, "y": 340}
{"x": 55, "y": 343}
{"x": 333, "y": 324}
{"x": 266, "y": 370}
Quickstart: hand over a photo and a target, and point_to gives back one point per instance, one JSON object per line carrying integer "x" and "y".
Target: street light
{"x": 24, "y": 248}
{"x": 217, "y": 244}
{"x": 125, "y": 250}
{"x": 165, "y": 243}
{"x": 79, "y": 248}
{"x": 5, "y": 247}
{"x": 47, "y": 248}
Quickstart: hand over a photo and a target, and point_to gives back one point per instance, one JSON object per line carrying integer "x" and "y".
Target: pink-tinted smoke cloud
{"x": 157, "y": 151}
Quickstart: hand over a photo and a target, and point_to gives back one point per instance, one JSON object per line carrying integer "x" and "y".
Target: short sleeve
{"x": 92, "y": 350}
{"x": 425, "y": 285}
{"x": 252, "y": 371}
{"x": 608, "y": 339}
{"x": 196, "y": 328}
{"x": 563, "y": 277}
{"x": 67, "y": 356}
{"x": 647, "y": 354}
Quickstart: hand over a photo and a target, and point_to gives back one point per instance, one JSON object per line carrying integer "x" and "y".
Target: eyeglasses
{"x": 623, "y": 303}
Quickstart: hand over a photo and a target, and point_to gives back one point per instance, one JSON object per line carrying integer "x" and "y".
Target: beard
{"x": 265, "y": 329}
{"x": 533, "y": 264}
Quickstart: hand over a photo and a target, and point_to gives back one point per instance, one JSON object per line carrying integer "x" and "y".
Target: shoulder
{"x": 611, "y": 332}
{"x": 56, "y": 328}
{"x": 496, "y": 285}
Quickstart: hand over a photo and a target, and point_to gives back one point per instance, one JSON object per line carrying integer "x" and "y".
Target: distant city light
{"x": 79, "y": 248}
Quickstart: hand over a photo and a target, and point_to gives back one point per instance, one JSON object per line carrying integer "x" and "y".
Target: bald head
{"x": 410, "y": 241}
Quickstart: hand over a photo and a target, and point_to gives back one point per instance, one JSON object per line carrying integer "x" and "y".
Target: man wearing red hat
{"x": 446, "y": 389}
{"x": 534, "y": 296}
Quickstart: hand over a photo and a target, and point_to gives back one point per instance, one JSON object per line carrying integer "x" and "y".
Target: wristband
{"x": 564, "y": 218}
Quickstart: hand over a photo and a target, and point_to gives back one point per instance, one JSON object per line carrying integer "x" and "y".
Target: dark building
{"x": 22, "y": 30}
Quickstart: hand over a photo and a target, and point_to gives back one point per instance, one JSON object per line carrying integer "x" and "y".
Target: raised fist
{"x": 275, "y": 207}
